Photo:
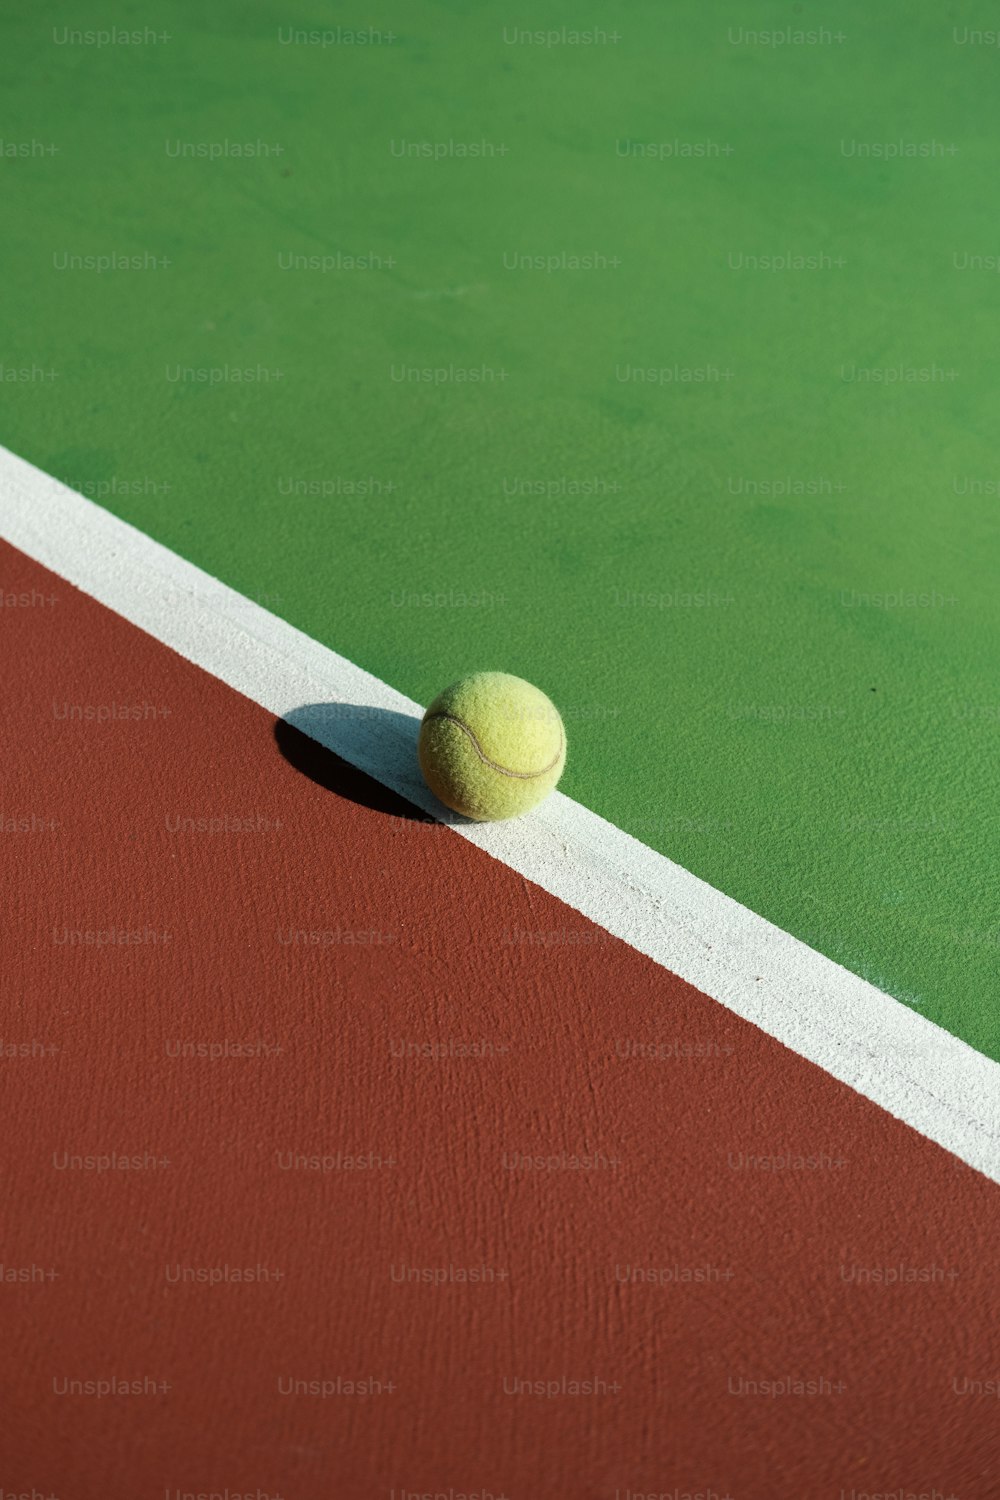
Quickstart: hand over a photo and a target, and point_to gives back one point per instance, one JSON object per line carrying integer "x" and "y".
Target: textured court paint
{"x": 892, "y": 1055}
{"x": 679, "y": 560}
{"x": 577, "y": 1047}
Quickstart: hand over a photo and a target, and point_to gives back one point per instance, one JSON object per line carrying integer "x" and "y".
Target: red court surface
{"x": 523, "y": 1214}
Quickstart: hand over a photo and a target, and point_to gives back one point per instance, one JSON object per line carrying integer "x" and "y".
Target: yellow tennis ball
{"x": 491, "y": 746}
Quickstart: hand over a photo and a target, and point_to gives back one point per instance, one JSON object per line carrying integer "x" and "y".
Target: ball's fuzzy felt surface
{"x": 491, "y": 746}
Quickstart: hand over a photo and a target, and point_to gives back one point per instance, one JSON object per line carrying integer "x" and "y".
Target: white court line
{"x": 870, "y": 1041}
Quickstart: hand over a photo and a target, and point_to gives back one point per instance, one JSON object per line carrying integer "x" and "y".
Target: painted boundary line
{"x": 923, "y": 1075}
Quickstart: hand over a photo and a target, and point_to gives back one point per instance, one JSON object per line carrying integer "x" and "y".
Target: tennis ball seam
{"x": 494, "y": 765}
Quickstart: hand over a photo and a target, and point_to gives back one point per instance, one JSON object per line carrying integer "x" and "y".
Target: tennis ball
{"x": 491, "y": 746}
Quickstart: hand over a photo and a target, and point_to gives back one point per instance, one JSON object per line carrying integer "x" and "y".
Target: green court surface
{"x": 539, "y": 355}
